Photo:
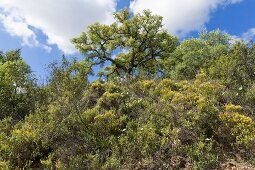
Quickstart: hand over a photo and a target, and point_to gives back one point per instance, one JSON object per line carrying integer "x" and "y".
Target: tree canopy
{"x": 15, "y": 81}
{"x": 130, "y": 43}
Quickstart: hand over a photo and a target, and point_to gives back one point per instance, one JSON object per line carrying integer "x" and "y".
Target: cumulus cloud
{"x": 249, "y": 35}
{"x": 181, "y": 16}
{"x": 59, "y": 20}
{"x": 16, "y": 27}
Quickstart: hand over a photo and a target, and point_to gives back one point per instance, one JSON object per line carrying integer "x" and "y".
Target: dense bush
{"x": 195, "y": 112}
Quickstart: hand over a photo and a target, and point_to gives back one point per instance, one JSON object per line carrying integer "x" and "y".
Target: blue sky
{"x": 43, "y": 28}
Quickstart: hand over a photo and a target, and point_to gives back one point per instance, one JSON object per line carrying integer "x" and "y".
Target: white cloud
{"x": 234, "y": 39}
{"x": 59, "y": 20}
{"x": 249, "y": 35}
{"x": 246, "y": 36}
{"x": 15, "y": 26}
{"x": 181, "y": 16}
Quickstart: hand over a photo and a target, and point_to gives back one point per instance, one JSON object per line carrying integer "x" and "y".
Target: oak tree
{"x": 130, "y": 44}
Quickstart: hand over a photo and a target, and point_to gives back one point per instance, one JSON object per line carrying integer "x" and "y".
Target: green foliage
{"x": 236, "y": 68}
{"x": 164, "y": 106}
{"x": 195, "y": 54}
{"x": 17, "y": 86}
{"x": 203, "y": 156}
{"x": 241, "y": 127}
{"x": 137, "y": 44}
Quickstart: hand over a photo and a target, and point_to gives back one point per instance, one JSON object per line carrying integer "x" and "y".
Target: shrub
{"x": 241, "y": 127}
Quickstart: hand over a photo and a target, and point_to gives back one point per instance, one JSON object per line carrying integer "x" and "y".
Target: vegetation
{"x": 157, "y": 104}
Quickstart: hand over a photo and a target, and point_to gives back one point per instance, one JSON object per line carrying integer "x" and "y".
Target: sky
{"x": 42, "y": 29}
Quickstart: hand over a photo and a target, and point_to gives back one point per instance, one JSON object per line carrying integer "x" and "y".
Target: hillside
{"x": 157, "y": 103}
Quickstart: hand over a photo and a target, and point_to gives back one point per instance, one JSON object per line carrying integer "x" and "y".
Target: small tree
{"x": 17, "y": 86}
{"x": 130, "y": 44}
{"x": 195, "y": 54}
{"x": 68, "y": 81}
